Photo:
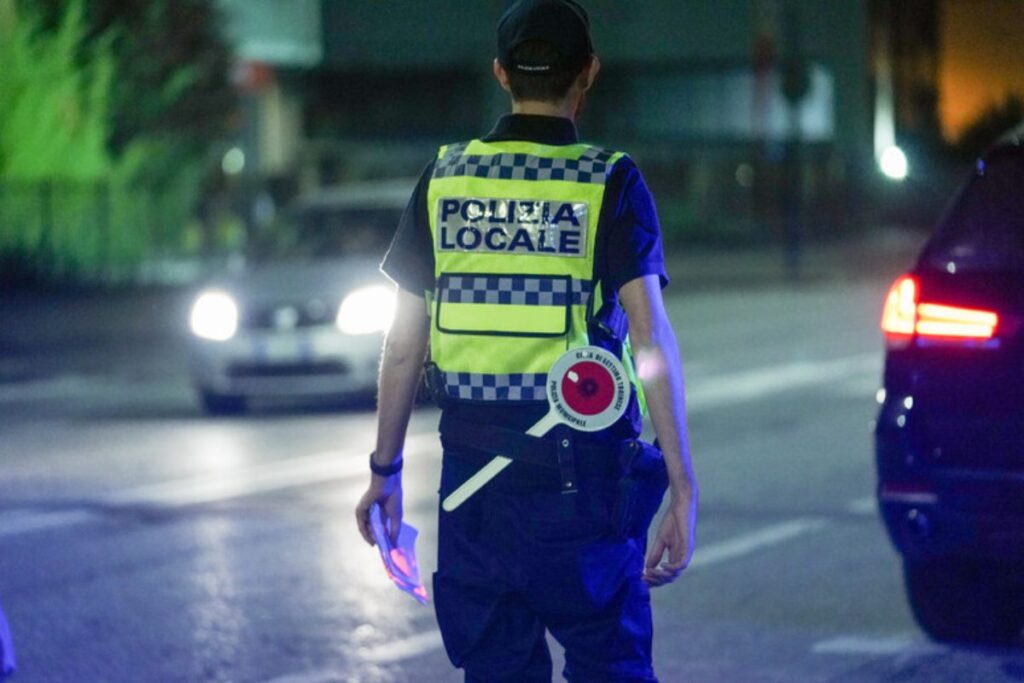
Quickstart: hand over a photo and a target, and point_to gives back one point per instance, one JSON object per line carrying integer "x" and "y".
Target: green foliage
{"x": 55, "y": 109}
{"x": 52, "y": 138}
{"x": 172, "y": 68}
{"x": 96, "y": 169}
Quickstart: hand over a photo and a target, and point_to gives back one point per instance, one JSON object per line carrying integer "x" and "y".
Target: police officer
{"x": 514, "y": 248}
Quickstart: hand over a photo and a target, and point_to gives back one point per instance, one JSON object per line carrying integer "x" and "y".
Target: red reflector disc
{"x": 588, "y": 388}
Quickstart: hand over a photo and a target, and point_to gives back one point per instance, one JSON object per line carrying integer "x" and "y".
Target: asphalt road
{"x": 140, "y": 541}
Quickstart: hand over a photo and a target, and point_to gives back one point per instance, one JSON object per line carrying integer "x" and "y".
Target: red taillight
{"x": 900, "y": 312}
{"x": 935, "y": 320}
{"x": 905, "y": 316}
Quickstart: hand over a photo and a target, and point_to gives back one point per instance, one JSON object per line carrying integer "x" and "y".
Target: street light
{"x": 233, "y": 162}
{"x": 893, "y": 163}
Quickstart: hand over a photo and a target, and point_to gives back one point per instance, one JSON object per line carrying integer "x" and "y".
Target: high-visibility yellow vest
{"x": 514, "y": 228}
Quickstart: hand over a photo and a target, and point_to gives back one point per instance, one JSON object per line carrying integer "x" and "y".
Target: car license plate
{"x": 279, "y": 348}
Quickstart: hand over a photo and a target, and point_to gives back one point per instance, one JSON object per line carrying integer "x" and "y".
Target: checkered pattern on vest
{"x": 524, "y": 290}
{"x": 591, "y": 167}
{"x": 478, "y": 387}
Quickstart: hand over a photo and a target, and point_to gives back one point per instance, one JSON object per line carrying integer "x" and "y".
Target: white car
{"x": 307, "y": 318}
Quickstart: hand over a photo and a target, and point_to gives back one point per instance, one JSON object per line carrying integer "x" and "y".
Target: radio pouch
{"x": 433, "y": 383}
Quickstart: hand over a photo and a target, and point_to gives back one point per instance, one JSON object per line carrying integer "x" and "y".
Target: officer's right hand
{"x": 387, "y": 491}
{"x": 676, "y": 536}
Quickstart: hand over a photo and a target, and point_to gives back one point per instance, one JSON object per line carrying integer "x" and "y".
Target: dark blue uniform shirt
{"x": 628, "y": 246}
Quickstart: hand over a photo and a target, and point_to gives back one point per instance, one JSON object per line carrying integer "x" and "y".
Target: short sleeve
{"x": 631, "y": 244}
{"x": 409, "y": 261}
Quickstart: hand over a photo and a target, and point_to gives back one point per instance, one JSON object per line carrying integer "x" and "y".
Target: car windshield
{"x": 985, "y": 228}
{"x": 329, "y": 233}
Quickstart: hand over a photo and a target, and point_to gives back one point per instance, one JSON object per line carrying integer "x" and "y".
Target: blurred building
{"x": 938, "y": 67}
{"x": 349, "y": 89}
{"x": 676, "y": 73}
{"x": 277, "y": 45}
{"x": 906, "y": 62}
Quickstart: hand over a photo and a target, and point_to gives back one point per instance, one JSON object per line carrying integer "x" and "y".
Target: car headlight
{"x": 367, "y": 310}
{"x": 214, "y": 316}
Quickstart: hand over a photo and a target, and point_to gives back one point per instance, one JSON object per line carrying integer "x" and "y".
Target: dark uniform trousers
{"x": 514, "y": 560}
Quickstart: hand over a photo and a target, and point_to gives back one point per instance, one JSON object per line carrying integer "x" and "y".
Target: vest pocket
{"x": 505, "y": 305}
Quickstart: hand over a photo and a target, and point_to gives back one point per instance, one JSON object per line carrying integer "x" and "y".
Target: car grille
{"x": 299, "y": 369}
{"x": 289, "y": 315}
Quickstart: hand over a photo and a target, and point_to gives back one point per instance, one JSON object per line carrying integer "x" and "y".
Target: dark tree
{"x": 173, "y": 69}
{"x": 991, "y": 125}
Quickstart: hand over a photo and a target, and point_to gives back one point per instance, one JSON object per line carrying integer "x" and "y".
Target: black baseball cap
{"x": 563, "y": 24}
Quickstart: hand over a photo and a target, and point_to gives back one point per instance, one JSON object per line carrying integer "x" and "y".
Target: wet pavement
{"x": 142, "y": 541}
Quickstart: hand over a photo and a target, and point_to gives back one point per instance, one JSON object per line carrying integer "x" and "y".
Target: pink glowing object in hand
{"x": 400, "y": 559}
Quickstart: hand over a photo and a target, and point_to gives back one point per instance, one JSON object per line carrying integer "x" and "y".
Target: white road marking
{"x": 879, "y": 646}
{"x": 860, "y": 386}
{"x": 22, "y": 521}
{"x": 399, "y": 650}
{"x": 863, "y": 506}
{"x": 748, "y": 543}
{"x": 706, "y": 393}
{"x": 386, "y": 653}
{"x": 266, "y": 477}
{"x": 312, "y": 677}
{"x": 720, "y": 390}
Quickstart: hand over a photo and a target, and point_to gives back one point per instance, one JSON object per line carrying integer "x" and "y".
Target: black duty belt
{"x": 561, "y": 455}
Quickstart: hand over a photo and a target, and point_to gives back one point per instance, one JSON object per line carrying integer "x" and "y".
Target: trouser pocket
{"x": 640, "y": 490}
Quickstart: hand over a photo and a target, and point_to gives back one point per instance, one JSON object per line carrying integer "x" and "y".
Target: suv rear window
{"x": 985, "y": 228}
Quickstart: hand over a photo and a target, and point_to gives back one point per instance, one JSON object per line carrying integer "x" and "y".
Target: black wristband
{"x": 391, "y": 470}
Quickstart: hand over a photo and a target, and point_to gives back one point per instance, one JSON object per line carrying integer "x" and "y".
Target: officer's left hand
{"x": 387, "y": 491}
{"x": 676, "y": 537}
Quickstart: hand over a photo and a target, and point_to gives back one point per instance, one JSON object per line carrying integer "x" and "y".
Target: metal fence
{"x": 99, "y": 231}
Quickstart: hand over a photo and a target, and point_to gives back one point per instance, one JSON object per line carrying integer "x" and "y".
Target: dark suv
{"x": 949, "y": 439}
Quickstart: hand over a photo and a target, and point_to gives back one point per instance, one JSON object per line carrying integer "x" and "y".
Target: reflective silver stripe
{"x": 472, "y": 386}
{"x": 526, "y": 290}
{"x": 591, "y": 167}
